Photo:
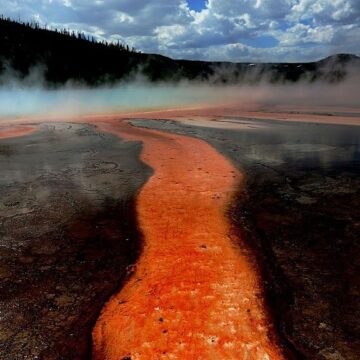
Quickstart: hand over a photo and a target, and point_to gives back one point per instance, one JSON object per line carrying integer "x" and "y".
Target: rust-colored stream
{"x": 15, "y": 131}
{"x": 194, "y": 294}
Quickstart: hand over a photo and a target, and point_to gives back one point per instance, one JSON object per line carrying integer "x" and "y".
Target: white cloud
{"x": 301, "y": 34}
{"x": 327, "y": 11}
{"x": 224, "y": 30}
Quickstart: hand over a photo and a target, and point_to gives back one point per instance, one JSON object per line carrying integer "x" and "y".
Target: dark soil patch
{"x": 68, "y": 236}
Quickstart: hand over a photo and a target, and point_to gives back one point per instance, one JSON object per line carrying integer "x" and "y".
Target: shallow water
{"x": 267, "y": 142}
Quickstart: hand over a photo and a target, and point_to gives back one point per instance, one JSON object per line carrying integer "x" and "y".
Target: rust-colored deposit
{"x": 15, "y": 131}
{"x": 194, "y": 294}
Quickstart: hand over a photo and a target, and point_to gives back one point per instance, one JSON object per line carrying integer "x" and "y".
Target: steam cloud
{"x": 31, "y": 97}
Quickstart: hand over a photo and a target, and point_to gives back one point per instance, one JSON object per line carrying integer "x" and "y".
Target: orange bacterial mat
{"x": 15, "y": 131}
{"x": 194, "y": 293}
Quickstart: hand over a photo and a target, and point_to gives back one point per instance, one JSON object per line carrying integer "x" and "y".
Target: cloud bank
{"x": 234, "y": 30}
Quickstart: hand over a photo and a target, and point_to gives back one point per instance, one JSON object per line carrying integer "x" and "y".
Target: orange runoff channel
{"x": 194, "y": 293}
{"x": 15, "y": 131}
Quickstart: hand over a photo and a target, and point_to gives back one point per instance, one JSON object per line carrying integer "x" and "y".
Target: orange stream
{"x": 194, "y": 294}
{"x": 15, "y": 131}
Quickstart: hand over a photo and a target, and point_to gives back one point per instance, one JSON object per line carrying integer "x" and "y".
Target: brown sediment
{"x": 15, "y": 131}
{"x": 194, "y": 294}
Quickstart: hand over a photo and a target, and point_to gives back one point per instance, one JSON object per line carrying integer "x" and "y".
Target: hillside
{"x": 65, "y": 56}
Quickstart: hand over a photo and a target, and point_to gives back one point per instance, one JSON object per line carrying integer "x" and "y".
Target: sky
{"x": 217, "y": 30}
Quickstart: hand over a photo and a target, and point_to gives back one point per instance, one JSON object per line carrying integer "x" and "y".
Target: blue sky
{"x": 230, "y": 30}
{"x": 197, "y": 5}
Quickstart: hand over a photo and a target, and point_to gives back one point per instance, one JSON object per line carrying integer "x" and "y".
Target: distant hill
{"x": 65, "y": 56}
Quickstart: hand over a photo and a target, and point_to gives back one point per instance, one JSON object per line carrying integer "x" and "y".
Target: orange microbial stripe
{"x": 194, "y": 294}
{"x": 14, "y": 131}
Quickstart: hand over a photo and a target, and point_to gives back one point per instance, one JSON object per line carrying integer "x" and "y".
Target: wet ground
{"x": 300, "y": 213}
{"x": 68, "y": 230}
{"x": 67, "y": 234}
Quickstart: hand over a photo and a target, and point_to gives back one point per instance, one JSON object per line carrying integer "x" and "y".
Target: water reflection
{"x": 299, "y": 145}
{"x": 277, "y": 143}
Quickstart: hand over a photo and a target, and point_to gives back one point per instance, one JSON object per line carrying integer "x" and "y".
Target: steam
{"x": 18, "y": 101}
{"x": 31, "y": 96}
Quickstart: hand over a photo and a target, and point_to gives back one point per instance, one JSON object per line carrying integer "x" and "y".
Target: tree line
{"x": 79, "y": 35}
